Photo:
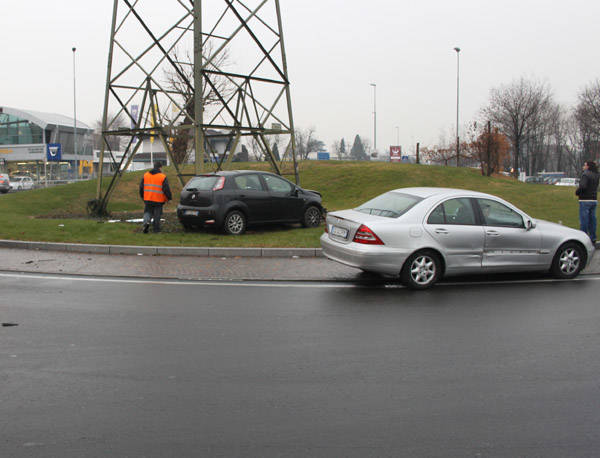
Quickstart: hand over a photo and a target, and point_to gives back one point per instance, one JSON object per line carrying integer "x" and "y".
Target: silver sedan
{"x": 423, "y": 234}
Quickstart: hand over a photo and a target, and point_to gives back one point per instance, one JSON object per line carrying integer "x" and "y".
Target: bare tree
{"x": 114, "y": 141}
{"x": 558, "y": 124}
{"x": 517, "y": 109}
{"x": 306, "y": 142}
{"x": 180, "y": 82}
{"x": 587, "y": 116}
{"x": 588, "y": 108}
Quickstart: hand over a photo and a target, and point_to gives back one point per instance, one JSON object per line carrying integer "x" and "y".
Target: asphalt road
{"x": 125, "y": 367}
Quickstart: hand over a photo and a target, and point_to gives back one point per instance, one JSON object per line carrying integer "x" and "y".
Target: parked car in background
{"x": 423, "y": 234}
{"x": 567, "y": 182}
{"x": 232, "y": 200}
{"x": 535, "y": 180}
{"x": 18, "y": 183}
{"x": 4, "y": 183}
{"x": 551, "y": 180}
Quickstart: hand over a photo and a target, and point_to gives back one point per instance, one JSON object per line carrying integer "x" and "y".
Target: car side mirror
{"x": 295, "y": 192}
{"x": 530, "y": 224}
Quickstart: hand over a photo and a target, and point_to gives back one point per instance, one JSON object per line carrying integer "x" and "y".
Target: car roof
{"x": 425, "y": 192}
{"x": 229, "y": 173}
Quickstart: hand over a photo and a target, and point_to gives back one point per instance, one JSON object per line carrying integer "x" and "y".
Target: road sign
{"x": 54, "y": 152}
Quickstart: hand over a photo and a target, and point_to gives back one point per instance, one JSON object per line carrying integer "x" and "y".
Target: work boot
{"x": 146, "y": 227}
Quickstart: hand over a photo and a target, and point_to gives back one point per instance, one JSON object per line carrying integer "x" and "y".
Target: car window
{"x": 437, "y": 215}
{"x": 249, "y": 182}
{"x": 202, "y": 183}
{"x": 497, "y": 214}
{"x": 276, "y": 184}
{"x": 391, "y": 204}
{"x": 453, "y": 211}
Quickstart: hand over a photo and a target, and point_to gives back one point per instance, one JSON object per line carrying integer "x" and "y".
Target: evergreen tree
{"x": 276, "y": 152}
{"x": 342, "y": 148}
{"x": 242, "y": 156}
{"x": 357, "y": 152}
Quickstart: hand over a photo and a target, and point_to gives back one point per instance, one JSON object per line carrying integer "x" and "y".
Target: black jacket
{"x": 165, "y": 187}
{"x": 588, "y": 186}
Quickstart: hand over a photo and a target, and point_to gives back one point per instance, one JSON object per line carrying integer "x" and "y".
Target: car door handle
{"x": 441, "y": 231}
{"x": 493, "y": 233}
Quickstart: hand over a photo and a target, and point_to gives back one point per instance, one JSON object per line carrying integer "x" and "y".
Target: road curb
{"x": 227, "y": 252}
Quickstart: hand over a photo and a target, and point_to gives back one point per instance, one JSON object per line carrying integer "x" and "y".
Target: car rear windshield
{"x": 202, "y": 183}
{"x": 391, "y": 204}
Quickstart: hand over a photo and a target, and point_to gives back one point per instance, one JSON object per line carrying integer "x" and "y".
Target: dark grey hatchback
{"x": 232, "y": 200}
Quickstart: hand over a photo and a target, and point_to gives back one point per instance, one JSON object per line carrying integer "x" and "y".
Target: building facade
{"x": 45, "y": 145}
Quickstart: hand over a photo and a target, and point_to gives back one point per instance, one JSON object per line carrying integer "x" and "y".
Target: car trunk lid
{"x": 343, "y": 225}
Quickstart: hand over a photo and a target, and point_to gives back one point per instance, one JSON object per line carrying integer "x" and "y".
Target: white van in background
{"x": 567, "y": 182}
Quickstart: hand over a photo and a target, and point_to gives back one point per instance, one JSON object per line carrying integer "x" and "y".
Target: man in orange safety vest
{"x": 155, "y": 191}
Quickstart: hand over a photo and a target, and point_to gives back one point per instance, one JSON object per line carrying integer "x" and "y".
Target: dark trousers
{"x": 153, "y": 211}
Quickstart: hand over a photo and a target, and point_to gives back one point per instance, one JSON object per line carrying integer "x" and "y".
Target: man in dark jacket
{"x": 155, "y": 191}
{"x": 588, "y": 200}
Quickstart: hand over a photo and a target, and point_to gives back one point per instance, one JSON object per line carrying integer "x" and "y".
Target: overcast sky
{"x": 336, "y": 48}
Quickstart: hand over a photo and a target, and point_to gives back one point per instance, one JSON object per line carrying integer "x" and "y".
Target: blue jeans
{"x": 587, "y": 218}
{"x": 153, "y": 212}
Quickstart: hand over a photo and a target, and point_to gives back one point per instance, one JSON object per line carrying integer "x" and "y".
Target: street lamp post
{"x": 457, "y": 49}
{"x": 75, "y": 112}
{"x": 374, "y": 116}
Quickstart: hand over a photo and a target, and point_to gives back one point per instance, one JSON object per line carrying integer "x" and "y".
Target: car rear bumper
{"x": 374, "y": 258}
{"x": 201, "y": 216}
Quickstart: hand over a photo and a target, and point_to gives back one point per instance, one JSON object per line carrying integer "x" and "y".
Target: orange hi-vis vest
{"x": 153, "y": 191}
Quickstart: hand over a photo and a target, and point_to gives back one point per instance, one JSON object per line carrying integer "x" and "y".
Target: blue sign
{"x": 53, "y": 152}
{"x": 322, "y": 156}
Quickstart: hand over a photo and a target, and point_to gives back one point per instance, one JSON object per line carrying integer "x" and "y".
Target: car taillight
{"x": 366, "y": 236}
{"x": 219, "y": 184}
{"x": 326, "y": 228}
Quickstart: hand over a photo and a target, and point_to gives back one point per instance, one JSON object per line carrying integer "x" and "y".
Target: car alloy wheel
{"x": 421, "y": 270}
{"x": 568, "y": 261}
{"x": 235, "y": 223}
{"x": 312, "y": 217}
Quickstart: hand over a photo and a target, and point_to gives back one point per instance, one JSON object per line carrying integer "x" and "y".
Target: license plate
{"x": 339, "y": 232}
{"x": 191, "y": 212}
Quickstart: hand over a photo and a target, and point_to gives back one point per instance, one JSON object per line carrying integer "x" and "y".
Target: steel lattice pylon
{"x": 161, "y": 51}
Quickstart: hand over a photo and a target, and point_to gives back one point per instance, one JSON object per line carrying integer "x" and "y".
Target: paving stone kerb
{"x": 165, "y": 250}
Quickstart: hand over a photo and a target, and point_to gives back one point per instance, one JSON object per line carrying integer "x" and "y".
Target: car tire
{"x": 311, "y": 217}
{"x": 234, "y": 223}
{"x": 568, "y": 261}
{"x": 421, "y": 270}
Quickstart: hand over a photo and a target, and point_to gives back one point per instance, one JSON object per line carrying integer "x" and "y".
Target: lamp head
{"x": 457, "y": 49}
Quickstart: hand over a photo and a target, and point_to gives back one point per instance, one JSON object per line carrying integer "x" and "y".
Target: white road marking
{"x": 277, "y": 283}
{"x": 143, "y": 281}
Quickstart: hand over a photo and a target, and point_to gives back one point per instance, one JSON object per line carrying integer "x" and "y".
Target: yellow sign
{"x": 6, "y": 151}
{"x": 153, "y": 122}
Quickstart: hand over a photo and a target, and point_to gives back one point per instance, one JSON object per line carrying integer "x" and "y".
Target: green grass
{"x": 58, "y": 214}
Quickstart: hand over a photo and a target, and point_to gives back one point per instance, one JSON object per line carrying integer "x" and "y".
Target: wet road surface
{"x": 125, "y": 367}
